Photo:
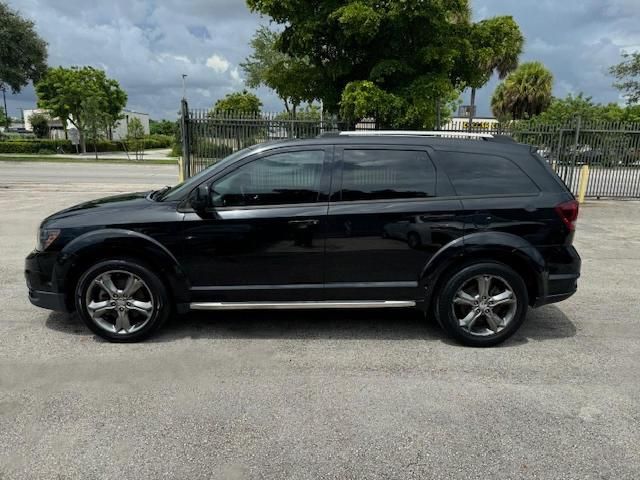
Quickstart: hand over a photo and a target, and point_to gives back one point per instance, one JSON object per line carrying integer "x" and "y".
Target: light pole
{"x": 6, "y": 113}
{"x": 184, "y": 86}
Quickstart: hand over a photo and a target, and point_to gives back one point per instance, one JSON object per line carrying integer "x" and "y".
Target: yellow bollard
{"x": 584, "y": 181}
{"x": 180, "y": 170}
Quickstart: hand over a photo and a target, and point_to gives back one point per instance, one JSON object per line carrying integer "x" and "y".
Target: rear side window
{"x": 480, "y": 174}
{"x": 385, "y": 174}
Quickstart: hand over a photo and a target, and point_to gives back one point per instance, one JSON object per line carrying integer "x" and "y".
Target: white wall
{"x": 120, "y": 131}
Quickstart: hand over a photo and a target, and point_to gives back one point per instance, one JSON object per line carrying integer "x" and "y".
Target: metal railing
{"x": 610, "y": 149}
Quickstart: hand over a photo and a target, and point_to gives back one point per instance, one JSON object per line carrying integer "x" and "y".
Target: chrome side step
{"x": 300, "y": 305}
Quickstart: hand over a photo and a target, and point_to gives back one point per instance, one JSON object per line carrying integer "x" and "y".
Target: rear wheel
{"x": 122, "y": 300}
{"x": 483, "y": 304}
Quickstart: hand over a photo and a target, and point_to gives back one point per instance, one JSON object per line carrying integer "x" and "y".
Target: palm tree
{"x": 525, "y": 93}
{"x": 498, "y": 44}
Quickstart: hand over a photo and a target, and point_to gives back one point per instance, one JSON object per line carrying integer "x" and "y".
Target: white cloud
{"x": 235, "y": 75}
{"x": 217, "y": 63}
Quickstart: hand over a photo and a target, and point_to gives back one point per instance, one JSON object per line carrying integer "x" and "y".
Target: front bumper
{"x": 48, "y": 300}
{"x": 38, "y": 274}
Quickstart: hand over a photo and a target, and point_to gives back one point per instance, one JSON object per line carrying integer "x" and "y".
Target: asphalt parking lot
{"x": 343, "y": 395}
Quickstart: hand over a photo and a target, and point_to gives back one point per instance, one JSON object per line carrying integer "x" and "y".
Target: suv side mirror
{"x": 200, "y": 200}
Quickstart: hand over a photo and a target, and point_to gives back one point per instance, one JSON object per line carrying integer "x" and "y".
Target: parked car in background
{"x": 471, "y": 231}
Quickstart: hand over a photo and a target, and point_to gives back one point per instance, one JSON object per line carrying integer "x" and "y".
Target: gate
{"x": 208, "y": 136}
{"x": 610, "y": 149}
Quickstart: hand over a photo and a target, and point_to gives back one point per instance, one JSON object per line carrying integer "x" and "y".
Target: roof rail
{"x": 416, "y": 133}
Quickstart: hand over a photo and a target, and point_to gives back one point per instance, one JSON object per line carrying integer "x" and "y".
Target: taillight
{"x": 568, "y": 212}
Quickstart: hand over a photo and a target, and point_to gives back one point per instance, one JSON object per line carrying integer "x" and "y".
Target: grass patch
{"x": 48, "y": 159}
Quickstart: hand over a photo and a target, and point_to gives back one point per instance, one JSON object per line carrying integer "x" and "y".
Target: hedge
{"x": 50, "y": 146}
{"x": 35, "y": 146}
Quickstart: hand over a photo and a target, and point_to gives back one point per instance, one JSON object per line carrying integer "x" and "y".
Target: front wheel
{"x": 483, "y": 304}
{"x": 122, "y": 300}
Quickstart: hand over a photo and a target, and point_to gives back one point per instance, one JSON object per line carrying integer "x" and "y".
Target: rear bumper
{"x": 561, "y": 279}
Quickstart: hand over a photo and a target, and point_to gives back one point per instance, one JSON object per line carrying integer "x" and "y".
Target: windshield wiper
{"x": 156, "y": 194}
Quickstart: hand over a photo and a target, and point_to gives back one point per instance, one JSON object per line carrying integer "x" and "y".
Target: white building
{"x": 56, "y": 130}
{"x": 121, "y": 129}
{"x": 118, "y": 133}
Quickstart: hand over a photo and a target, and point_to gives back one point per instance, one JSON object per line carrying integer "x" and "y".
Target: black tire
{"x": 444, "y": 303}
{"x": 154, "y": 289}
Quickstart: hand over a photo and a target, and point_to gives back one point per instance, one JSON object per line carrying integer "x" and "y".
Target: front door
{"x": 385, "y": 222}
{"x": 266, "y": 242}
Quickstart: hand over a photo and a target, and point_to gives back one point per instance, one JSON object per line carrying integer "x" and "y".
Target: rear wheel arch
{"x": 483, "y": 247}
{"x": 510, "y": 259}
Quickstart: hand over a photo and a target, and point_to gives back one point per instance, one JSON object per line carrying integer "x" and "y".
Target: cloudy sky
{"x": 147, "y": 44}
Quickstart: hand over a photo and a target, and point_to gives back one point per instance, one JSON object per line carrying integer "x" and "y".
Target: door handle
{"x": 304, "y": 223}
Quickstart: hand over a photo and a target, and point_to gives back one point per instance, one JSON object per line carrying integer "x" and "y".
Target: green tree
{"x": 4, "y": 120}
{"x": 64, "y": 93}
{"x": 525, "y": 93}
{"x": 627, "y": 74}
{"x": 96, "y": 120}
{"x": 563, "y": 110}
{"x": 495, "y": 46}
{"x": 239, "y": 102}
{"x": 163, "y": 127}
{"x": 291, "y": 78}
{"x": 23, "y": 54}
{"x": 40, "y": 125}
{"x": 405, "y": 56}
{"x": 135, "y": 136}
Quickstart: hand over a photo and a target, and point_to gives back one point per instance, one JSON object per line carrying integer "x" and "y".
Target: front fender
{"x": 498, "y": 246}
{"x": 118, "y": 243}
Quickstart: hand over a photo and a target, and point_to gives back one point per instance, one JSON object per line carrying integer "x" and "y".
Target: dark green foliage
{"x": 163, "y": 127}
{"x": 627, "y": 74}
{"x": 23, "y": 54}
{"x": 394, "y": 61}
{"x": 39, "y": 125}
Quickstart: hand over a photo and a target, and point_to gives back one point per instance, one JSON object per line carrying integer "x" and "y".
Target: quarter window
{"x": 369, "y": 174}
{"x": 480, "y": 174}
{"x": 282, "y": 178}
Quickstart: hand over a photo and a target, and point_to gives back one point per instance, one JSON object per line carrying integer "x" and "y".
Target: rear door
{"x": 389, "y": 213}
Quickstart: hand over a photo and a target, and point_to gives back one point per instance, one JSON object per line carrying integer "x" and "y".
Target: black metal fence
{"x": 610, "y": 149}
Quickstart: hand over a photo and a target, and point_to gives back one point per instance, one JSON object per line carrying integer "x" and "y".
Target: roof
{"x": 495, "y": 144}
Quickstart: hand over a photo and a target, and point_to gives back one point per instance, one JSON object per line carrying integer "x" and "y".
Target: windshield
{"x": 177, "y": 191}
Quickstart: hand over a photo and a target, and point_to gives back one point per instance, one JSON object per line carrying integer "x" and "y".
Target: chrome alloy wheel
{"x": 119, "y": 302}
{"x": 484, "y": 305}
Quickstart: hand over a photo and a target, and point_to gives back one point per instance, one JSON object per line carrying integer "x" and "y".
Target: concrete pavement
{"x": 295, "y": 395}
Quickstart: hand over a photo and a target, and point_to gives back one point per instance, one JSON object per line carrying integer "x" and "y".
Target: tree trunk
{"x": 83, "y": 141}
{"x": 473, "y": 103}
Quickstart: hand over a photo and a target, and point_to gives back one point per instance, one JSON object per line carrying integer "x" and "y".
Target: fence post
{"x": 186, "y": 144}
{"x": 583, "y": 183}
{"x": 575, "y": 150}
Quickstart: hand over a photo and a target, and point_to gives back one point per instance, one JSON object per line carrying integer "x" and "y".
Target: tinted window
{"x": 386, "y": 174}
{"x": 282, "y": 178}
{"x": 479, "y": 174}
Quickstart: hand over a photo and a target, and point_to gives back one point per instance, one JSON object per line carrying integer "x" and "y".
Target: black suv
{"x": 471, "y": 231}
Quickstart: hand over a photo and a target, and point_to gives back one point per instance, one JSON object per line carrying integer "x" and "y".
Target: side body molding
{"x": 116, "y": 243}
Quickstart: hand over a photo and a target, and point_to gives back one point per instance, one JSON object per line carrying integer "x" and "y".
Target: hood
{"x": 106, "y": 210}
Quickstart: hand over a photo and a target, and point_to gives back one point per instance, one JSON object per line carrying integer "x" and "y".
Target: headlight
{"x": 46, "y": 236}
